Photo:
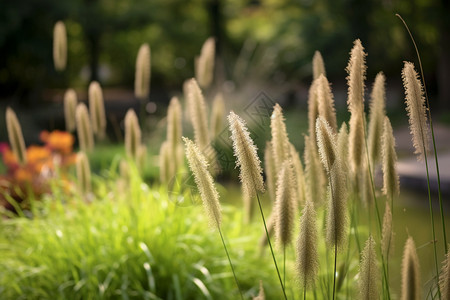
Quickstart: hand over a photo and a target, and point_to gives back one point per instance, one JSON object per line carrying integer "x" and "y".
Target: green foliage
{"x": 129, "y": 241}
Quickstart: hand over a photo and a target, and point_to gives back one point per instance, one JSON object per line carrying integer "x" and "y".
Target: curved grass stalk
{"x": 432, "y": 133}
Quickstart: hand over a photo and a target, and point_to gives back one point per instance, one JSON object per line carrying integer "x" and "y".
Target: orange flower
{"x": 23, "y": 175}
{"x": 9, "y": 158}
{"x": 59, "y": 141}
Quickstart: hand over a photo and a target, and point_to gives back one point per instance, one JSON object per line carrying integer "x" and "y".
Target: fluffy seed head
{"x": 97, "y": 109}
{"x": 285, "y": 205}
{"x": 313, "y": 111}
{"x": 261, "y": 295}
{"x": 174, "y": 122}
{"x": 387, "y": 241}
{"x": 307, "y": 260}
{"x": 326, "y": 102}
{"x": 342, "y": 147}
{"x": 15, "y": 136}
{"x": 197, "y": 113}
{"x": 142, "y": 76}
{"x": 368, "y": 272}
{"x": 59, "y": 46}
{"x": 84, "y": 128}
{"x": 411, "y": 285}
{"x": 444, "y": 279}
{"x": 356, "y": 70}
{"x": 247, "y": 158}
{"x": 298, "y": 174}
{"x": 376, "y": 118}
{"x": 280, "y": 140}
{"x": 314, "y": 175}
{"x": 204, "y": 67}
{"x": 70, "y": 105}
{"x": 416, "y": 108}
{"x": 356, "y": 142}
{"x": 337, "y": 215}
{"x": 390, "y": 178}
{"x": 269, "y": 167}
{"x": 165, "y": 163}
{"x": 326, "y": 143}
{"x": 83, "y": 173}
{"x": 217, "y": 115}
{"x": 204, "y": 181}
{"x": 318, "y": 65}
{"x": 132, "y": 134}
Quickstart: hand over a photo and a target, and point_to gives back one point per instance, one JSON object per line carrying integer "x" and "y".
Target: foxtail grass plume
{"x": 84, "y": 129}
{"x": 313, "y": 111}
{"x": 285, "y": 205}
{"x": 387, "y": 234}
{"x": 97, "y": 109}
{"x": 326, "y": 143}
{"x": 390, "y": 178}
{"x": 174, "y": 123}
{"x": 270, "y": 223}
{"x": 141, "y": 158}
{"x": 326, "y": 102}
{"x": 368, "y": 272}
{"x": 132, "y": 134}
{"x": 307, "y": 260}
{"x": 411, "y": 285}
{"x": 318, "y": 65}
{"x": 376, "y": 118}
{"x": 217, "y": 116}
{"x": 366, "y": 183}
{"x": 280, "y": 140}
{"x": 357, "y": 73}
{"x": 342, "y": 147}
{"x": 314, "y": 175}
{"x": 416, "y": 108}
{"x": 261, "y": 294}
{"x": 83, "y": 173}
{"x": 444, "y": 278}
{"x": 15, "y": 136}
{"x": 142, "y": 76}
{"x": 337, "y": 215}
{"x": 298, "y": 174}
{"x": 204, "y": 181}
{"x": 70, "y": 105}
{"x": 59, "y": 46}
{"x": 247, "y": 158}
{"x": 197, "y": 112}
{"x": 204, "y": 66}
{"x": 270, "y": 168}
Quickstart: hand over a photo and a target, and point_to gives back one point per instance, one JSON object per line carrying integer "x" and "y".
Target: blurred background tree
{"x": 266, "y": 41}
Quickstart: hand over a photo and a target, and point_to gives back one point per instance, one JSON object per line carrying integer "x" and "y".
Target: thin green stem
{"x": 334, "y": 272}
{"x": 284, "y": 265}
{"x": 304, "y": 290}
{"x": 229, "y": 260}
{"x": 270, "y": 246}
{"x": 432, "y": 133}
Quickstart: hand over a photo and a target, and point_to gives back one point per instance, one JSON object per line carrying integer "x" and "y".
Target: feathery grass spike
{"x": 337, "y": 215}
{"x": 318, "y": 65}
{"x": 261, "y": 294}
{"x": 444, "y": 279}
{"x": 307, "y": 260}
{"x": 197, "y": 113}
{"x": 285, "y": 205}
{"x": 97, "y": 109}
{"x": 270, "y": 168}
{"x": 142, "y": 76}
{"x": 415, "y": 106}
{"x": 217, "y": 116}
{"x": 326, "y": 102}
{"x": 84, "y": 129}
{"x": 165, "y": 163}
{"x": 314, "y": 175}
{"x": 132, "y": 134}
{"x": 204, "y": 67}
{"x": 59, "y": 46}
{"x": 174, "y": 123}
{"x": 204, "y": 181}
{"x": 326, "y": 142}
{"x": 411, "y": 285}
{"x": 387, "y": 242}
{"x": 298, "y": 174}
{"x": 247, "y": 158}
{"x": 357, "y": 72}
{"x": 83, "y": 173}
{"x": 280, "y": 141}
{"x": 376, "y": 118}
{"x": 342, "y": 147}
{"x": 368, "y": 272}
{"x": 70, "y": 105}
{"x": 313, "y": 111}
{"x": 390, "y": 178}
{"x": 15, "y": 136}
